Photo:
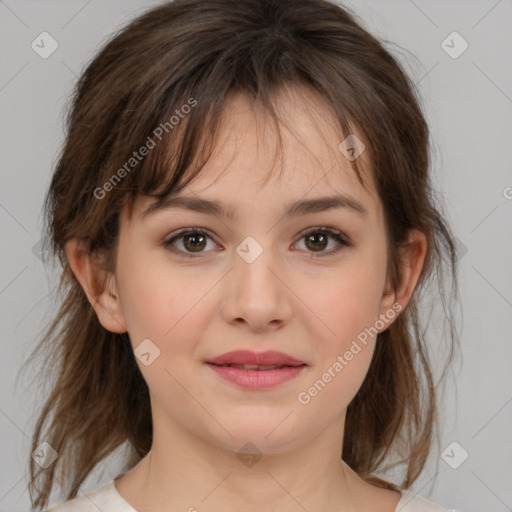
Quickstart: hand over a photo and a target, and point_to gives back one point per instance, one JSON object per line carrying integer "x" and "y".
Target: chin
{"x": 255, "y": 439}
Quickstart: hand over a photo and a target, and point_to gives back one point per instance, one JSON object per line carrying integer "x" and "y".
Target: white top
{"x": 107, "y": 499}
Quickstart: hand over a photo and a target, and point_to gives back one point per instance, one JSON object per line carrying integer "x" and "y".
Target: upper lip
{"x": 268, "y": 358}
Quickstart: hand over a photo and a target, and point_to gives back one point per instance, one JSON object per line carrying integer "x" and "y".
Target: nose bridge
{"x": 256, "y": 294}
{"x": 253, "y": 263}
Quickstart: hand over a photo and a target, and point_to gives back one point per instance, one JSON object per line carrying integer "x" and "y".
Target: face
{"x": 261, "y": 279}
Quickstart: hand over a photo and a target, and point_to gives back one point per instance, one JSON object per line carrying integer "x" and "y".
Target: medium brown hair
{"x": 204, "y": 51}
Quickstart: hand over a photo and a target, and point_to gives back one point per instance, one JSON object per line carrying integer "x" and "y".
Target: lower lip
{"x": 257, "y": 379}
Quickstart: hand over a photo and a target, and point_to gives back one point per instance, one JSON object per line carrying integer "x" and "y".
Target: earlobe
{"x": 98, "y": 285}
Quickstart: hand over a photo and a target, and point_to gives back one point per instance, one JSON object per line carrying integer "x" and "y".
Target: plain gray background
{"x": 468, "y": 101}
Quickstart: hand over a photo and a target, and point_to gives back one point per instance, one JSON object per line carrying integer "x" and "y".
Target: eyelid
{"x": 330, "y": 230}
{"x": 169, "y": 240}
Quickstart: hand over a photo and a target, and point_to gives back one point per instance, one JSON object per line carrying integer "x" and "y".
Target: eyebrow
{"x": 214, "y": 207}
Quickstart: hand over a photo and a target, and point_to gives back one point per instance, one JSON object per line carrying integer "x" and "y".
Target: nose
{"x": 256, "y": 294}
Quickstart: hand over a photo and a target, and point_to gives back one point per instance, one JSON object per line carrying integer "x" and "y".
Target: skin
{"x": 288, "y": 299}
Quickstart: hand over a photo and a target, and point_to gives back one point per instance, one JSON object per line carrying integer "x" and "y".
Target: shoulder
{"x": 104, "y": 498}
{"x": 411, "y": 502}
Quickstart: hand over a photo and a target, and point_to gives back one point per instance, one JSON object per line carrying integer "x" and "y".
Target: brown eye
{"x": 192, "y": 240}
{"x": 316, "y": 241}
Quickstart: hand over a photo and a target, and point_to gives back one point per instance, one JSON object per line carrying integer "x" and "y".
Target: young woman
{"x": 244, "y": 215}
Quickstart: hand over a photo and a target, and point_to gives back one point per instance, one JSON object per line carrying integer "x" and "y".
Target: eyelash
{"x": 336, "y": 235}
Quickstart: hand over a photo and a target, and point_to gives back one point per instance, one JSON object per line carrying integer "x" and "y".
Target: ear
{"x": 98, "y": 285}
{"x": 412, "y": 258}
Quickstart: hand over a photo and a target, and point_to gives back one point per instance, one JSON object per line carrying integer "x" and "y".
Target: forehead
{"x": 299, "y": 158}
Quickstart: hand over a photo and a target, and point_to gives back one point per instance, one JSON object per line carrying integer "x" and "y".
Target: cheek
{"x": 165, "y": 305}
{"x": 159, "y": 306}
{"x": 154, "y": 296}
{"x": 345, "y": 350}
{"x": 347, "y": 302}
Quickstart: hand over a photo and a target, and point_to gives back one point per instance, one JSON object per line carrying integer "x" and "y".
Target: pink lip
{"x": 270, "y": 357}
{"x": 257, "y": 379}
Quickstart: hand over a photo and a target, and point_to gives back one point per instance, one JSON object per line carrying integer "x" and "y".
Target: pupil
{"x": 319, "y": 235}
{"x": 193, "y": 236}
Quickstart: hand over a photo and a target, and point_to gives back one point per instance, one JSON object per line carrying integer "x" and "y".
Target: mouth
{"x": 260, "y": 361}
{"x": 259, "y": 368}
{"x": 257, "y": 376}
